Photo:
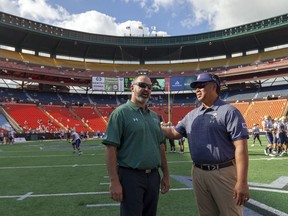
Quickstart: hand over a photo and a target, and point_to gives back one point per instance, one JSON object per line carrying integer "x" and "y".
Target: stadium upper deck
{"x": 23, "y": 34}
{"x": 27, "y": 34}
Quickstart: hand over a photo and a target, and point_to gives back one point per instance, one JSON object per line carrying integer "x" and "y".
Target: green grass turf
{"x": 66, "y": 183}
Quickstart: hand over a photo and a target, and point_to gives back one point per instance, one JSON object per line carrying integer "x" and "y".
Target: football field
{"x": 46, "y": 178}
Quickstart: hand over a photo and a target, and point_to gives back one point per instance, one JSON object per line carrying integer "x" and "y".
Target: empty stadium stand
{"x": 258, "y": 109}
{"x": 30, "y": 118}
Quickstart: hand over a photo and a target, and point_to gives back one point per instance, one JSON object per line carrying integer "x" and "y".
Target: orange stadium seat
{"x": 241, "y": 106}
{"x": 66, "y": 118}
{"x": 21, "y": 113}
{"x": 93, "y": 118}
{"x": 258, "y": 109}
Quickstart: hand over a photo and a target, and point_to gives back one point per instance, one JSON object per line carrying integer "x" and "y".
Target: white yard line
{"x": 268, "y": 190}
{"x": 52, "y": 195}
{"x": 267, "y": 208}
{"x": 102, "y": 205}
{"x": 53, "y": 166}
{"x": 25, "y": 196}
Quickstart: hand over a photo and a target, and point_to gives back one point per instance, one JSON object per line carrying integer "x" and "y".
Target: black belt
{"x": 146, "y": 171}
{"x": 210, "y": 167}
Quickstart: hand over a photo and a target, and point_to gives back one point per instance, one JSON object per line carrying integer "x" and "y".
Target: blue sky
{"x": 151, "y": 17}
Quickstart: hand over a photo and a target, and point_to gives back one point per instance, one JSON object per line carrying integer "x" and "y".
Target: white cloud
{"x": 40, "y": 10}
{"x": 154, "y": 6}
{"x": 37, "y": 10}
{"x": 90, "y": 21}
{"x": 220, "y": 14}
{"x": 9, "y": 6}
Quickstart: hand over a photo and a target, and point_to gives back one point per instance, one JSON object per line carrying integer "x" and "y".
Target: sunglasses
{"x": 201, "y": 85}
{"x": 143, "y": 85}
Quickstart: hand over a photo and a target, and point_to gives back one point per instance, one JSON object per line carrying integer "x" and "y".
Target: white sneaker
{"x": 265, "y": 152}
{"x": 271, "y": 155}
{"x": 252, "y": 145}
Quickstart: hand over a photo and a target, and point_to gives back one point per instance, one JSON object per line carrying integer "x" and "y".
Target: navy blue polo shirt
{"x": 211, "y": 132}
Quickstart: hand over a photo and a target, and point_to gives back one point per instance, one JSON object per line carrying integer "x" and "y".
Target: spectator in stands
{"x": 6, "y": 137}
{"x": 11, "y": 135}
{"x": 2, "y": 136}
{"x": 134, "y": 152}
{"x": 98, "y": 134}
{"x": 61, "y": 134}
{"x": 86, "y": 135}
{"x": 76, "y": 141}
{"x": 256, "y": 134}
{"x": 217, "y": 136}
{"x": 268, "y": 127}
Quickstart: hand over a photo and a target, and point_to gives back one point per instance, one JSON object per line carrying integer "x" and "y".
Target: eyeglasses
{"x": 143, "y": 85}
{"x": 201, "y": 85}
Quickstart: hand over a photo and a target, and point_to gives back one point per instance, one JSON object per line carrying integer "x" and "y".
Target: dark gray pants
{"x": 140, "y": 192}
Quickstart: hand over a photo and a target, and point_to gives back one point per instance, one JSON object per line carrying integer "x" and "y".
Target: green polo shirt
{"x": 137, "y": 134}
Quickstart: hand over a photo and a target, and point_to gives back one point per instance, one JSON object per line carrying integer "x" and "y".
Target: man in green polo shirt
{"x": 134, "y": 152}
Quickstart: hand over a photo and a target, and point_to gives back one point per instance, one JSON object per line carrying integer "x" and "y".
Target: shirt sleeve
{"x": 114, "y": 130}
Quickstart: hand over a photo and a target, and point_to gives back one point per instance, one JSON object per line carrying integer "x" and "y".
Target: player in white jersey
{"x": 267, "y": 125}
{"x": 76, "y": 141}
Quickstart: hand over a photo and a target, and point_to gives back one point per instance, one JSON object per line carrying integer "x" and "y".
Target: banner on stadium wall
{"x": 128, "y": 83}
{"x": 187, "y": 81}
{"x": 111, "y": 84}
{"x": 107, "y": 84}
{"x": 158, "y": 84}
{"x": 98, "y": 83}
{"x": 120, "y": 84}
{"x": 177, "y": 83}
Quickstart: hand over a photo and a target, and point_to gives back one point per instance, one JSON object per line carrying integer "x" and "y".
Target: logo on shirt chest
{"x": 213, "y": 118}
{"x": 135, "y": 119}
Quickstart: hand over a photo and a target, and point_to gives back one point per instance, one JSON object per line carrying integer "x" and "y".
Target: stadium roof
{"x": 27, "y": 34}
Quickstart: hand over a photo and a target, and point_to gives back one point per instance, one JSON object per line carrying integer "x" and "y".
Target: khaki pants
{"x": 214, "y": 191}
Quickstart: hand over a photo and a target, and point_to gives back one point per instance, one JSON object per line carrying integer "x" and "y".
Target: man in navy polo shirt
{"x": 217, "y": 136}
